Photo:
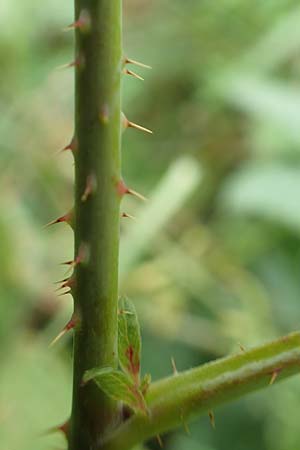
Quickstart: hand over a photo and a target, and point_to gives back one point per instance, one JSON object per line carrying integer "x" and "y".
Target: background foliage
{"x": 212, "y": 262}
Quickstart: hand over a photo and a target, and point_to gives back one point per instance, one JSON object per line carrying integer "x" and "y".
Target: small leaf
{"x": 118, "y": 386}
{"x": 129, "y": 340}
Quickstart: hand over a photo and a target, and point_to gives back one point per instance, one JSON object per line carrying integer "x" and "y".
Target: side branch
{"x": 175, "y": 400}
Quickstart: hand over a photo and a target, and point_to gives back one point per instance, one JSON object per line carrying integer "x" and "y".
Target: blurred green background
{"x": 213, "y": 260}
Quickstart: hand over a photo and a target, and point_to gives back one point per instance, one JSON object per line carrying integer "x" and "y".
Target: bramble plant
{"x": 115, "y": 407}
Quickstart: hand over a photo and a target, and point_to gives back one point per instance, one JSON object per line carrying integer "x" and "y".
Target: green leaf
{"x": 118, "y": 386}
{"x": 129, "y": 340}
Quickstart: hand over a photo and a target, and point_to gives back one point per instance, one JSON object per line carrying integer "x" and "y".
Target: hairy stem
{"x": 97, "y": 203}
{"x": 177, "y": 399}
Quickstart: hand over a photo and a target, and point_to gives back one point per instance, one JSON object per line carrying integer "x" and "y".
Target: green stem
{"x": 177, "y": 399}
{"x": 97, "y": 214}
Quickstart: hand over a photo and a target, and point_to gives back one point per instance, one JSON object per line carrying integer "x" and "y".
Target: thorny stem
{"x": 175, "y": 400}
{"x": 96, "y": 420}
{"x": 97, "y": 172}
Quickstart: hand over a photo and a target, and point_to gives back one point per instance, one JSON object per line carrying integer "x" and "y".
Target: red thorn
{"x": 73, "y": 322}
{"x": 76, "y": 24}
{"x": 79, "y": 63}
{"x": 83, "y": 23}
{"x": 212, "y": 419}
{"x": 72, "y": 146}
{"x": 63, "y": 428}
{"x": 70, "y": 283}
{"x": 91, "y": 186}
{"x": 68, "y": 218}
{"x": 122, "y": 190}
{"x": 67, "y": 283}
{"x": 82, "y": 257}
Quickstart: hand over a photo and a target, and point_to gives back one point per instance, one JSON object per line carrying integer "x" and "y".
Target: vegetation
{"x": 212, "y": 254}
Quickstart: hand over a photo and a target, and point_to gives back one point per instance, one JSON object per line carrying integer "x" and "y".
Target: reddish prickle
{"x": 78, "y": 62}
{"x": 63, "y": 428}
{"x": 122, "y": 190}
{"x": 69, "y": 326}
{"x": 66, "y": 283}
{"x": 83, "y": 23}
{"x": 67, "y": 218}
{"x": 71, "y": 146}
{"x": 82, "y": 257}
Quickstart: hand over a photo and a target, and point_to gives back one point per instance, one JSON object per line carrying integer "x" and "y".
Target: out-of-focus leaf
{"x": 32, "y": 379}
{"x": 177, "y": 185}
{"x": 269, "y": 192}
{"x": 278, "y": 44}
{"x": 264, "y": 99}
